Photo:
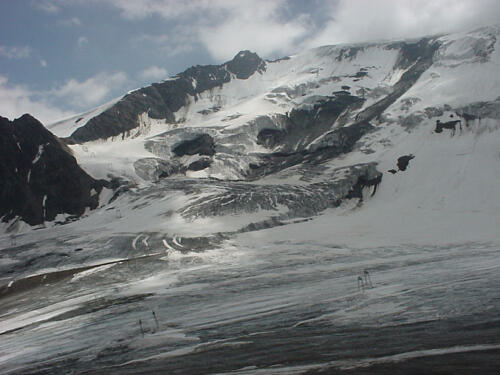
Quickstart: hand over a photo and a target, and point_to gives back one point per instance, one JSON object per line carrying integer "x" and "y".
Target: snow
{"x": 22, "y": 320}
{"x": 91, "y": 271}
{"x": 38, "y": 155}
{"x": 66, "y": 127}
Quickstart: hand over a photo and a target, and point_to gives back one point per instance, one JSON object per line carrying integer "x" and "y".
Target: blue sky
{"x": 61, "y": 57}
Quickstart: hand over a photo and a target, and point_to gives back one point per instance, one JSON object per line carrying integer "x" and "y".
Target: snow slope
{"x": 65, "y": 127}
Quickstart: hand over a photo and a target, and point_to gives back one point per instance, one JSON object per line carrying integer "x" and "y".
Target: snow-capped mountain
{"x": 241, "y": 190}
{"x": 300, "y": 122}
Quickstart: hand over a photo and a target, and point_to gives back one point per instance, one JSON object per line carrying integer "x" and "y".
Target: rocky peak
{"x": 39, "y": 178}
{"x": 246, "y": 63}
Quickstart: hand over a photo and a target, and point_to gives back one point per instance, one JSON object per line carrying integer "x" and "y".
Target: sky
{"x": 63, "y": 57}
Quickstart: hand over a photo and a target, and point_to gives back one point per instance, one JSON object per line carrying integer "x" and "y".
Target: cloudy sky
{"x": 61, "y": 57}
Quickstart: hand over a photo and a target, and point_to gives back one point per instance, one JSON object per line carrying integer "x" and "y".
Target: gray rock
{"x": 202, "y": 144}
{"x": 153, "y": 169}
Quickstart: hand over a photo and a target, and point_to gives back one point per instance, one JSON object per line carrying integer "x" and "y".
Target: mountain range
{"x": 381, "y": 156}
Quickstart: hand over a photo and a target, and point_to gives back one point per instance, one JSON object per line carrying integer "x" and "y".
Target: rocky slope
{"x": 162, "y": 100}
{"x": 39, "y": 178}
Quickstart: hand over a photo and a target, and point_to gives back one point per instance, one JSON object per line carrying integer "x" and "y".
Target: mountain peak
{"x": 39, "y": 177}
{"x": 246, "y": 63}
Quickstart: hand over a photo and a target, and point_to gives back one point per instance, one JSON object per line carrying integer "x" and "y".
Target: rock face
{"x": 203, "y": 144}
{"x": 403, "y": 161}
{"x": 270, "y": 137}
{"x": 39, "y": 178}
{"x": 161, "y": 100}
{"x": 245, "y": 64}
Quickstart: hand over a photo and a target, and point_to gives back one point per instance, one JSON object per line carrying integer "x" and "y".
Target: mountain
{"x": 298, "y": 123}
{"x": 39, "y": 178}
{"x": 251, "y": 198}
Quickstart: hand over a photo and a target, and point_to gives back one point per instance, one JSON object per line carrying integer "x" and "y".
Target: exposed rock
{"x": 412, "y": 52}
{"x": 359, "y": 74}
{"x": 308, "y": 123}
{"x": 416, "y": 58}
{"x": 403, "y": 161}
{"x": 161, "y": 100}
{"x": 152, "y": 169}
{"x": 480, "y": 110}
{"x": 369, "y": 178}
{"x": 411, "y": 121}
{"x": 407, "y": 103}
{"x": 200, "y": 164}
{"x": 431, "y": 112}
{"x": 341, "y": 93}
{"x": 246, "y": 63}
{"x": 349, "y": 53}
{"x": 202, "y": 145}
{"x": 210, "y": 110}
{"x": 39, "y": 178}
{"x": 270, "y": 137}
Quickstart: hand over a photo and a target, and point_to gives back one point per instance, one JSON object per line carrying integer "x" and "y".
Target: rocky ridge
{"x": 39, "y": 178}
{"x": 162, "y": 100}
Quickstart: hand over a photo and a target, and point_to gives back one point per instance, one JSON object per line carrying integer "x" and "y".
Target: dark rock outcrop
{"x": 270, "y": 137}
{"x": 306, "y": 124}
{"x": 370, "y": 178}
{"x": 245, "y": 63}
{"x": 203, "y": 144}
{"x": 200, "y": 164}
{"x": 161, "y": 100}
{"x": 403, "y": 161}
{"x": 301, "y": 127}
{"x": 39, "y": 178}
{"x": 416, "y": 58}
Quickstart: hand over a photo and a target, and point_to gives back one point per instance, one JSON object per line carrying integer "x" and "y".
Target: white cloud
{"x": 73, "y": 21}
{"x": 46, "y": 5}
{"x": 153, "y": 73}
{"x": 365, "y": 20}
{"x": 43, "y": 63}
{"x": 165, "y": 8}
{"x": 92, "y": 91}
{"x": 16, "y": 100}
{"x": 253, "y": 25}
{"x": 182, "y": 39}
{"x": 223, "y": 27}
{"x": 15, "y": 52}
{"x": 82, "y": 41}
{"x": 156, "y": 39}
